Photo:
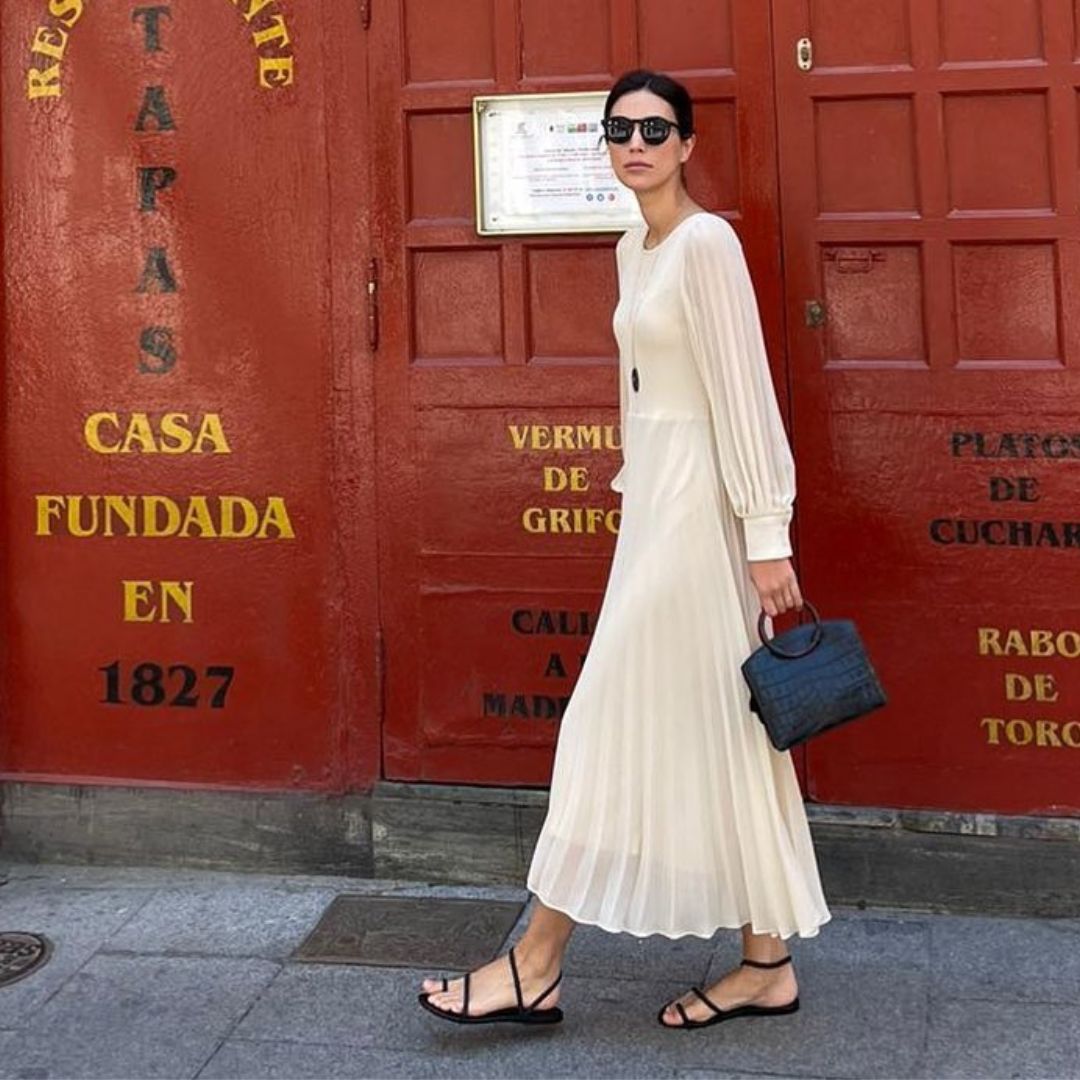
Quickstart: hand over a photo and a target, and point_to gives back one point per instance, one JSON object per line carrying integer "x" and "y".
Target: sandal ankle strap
{"x": 517, "y": 979}
{"x": 767, "y": 966}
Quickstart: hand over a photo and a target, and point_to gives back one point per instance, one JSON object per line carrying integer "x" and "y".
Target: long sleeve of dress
{"x": 729, "y": 350}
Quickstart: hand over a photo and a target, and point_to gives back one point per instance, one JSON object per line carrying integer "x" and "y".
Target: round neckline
{"x": 657, "y": 247}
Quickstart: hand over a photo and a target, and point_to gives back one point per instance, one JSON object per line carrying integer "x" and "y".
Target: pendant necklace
{"x": 640, "y": 280}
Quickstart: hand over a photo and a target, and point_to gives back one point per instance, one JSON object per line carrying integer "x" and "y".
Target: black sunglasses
{"x": 654, "y": 129}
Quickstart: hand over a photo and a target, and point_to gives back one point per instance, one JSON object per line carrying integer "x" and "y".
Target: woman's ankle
{"x": 539, "y": 955}
{"x": 764, "y": 948}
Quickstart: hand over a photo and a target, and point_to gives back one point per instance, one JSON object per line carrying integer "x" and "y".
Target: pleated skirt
{"x": 670, "y": 812}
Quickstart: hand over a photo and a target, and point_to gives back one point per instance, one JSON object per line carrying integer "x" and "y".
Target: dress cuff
{"x": 767, "y": 537}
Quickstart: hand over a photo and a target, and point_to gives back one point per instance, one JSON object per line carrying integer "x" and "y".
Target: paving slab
{"x": 610, "y": 1025}
{"x": 598, "y": 954}
{"x": 1006, "y": 960}
{"x": 350, "y": 1005}
{"x": 414, "y": 932}
{"x": 614, "y": 1021}
{"x": 169, "y": 972}
{"x": 377, "y": 1007}
{"x": 136, "y": 1017}
{"x": 232, "y": 920}
{"x": 76, "y": 921}
{"x": 241, "y": 1060}
{"x": 852, "y": 1023}
{"x": 1003, "y": 1039}
{"x": 860, "y": 940}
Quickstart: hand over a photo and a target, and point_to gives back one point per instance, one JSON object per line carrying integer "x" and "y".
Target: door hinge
{"x": 804, "y": 54}
{"x": 373, "y": 304}
{"x": 365, "y": 14}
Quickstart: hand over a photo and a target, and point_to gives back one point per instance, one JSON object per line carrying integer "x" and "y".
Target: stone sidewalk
{"x": 161, "y": 973}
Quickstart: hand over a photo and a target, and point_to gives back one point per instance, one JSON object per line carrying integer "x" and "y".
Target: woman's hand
{"x": 777, "y": 587}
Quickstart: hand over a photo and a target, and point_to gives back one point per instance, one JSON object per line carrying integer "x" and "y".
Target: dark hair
{"x": 674, "y": 93}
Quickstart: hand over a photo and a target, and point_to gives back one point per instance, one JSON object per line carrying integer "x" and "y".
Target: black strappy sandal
{"x": 522, "y": 1014}
{"x": 731, "y": 1014}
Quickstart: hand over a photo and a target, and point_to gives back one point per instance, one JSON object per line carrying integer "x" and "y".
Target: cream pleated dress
{"x": 670, "y": 812}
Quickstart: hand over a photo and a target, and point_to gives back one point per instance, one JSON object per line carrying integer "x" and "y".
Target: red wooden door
{"x": 496, "y": 364}
{"x": 177, "y": 605}
{"x": 929, "y": 191}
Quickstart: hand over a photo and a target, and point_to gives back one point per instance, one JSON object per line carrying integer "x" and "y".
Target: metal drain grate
{"x": 21, "y": 955}
{"x": 400, "y": 931}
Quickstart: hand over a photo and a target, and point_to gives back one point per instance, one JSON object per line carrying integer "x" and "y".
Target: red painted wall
{"x": 170, "y": 226}
{"x": 191, "y": 206}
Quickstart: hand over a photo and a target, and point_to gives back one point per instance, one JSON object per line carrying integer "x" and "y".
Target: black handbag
{"x": 810, "y": 678}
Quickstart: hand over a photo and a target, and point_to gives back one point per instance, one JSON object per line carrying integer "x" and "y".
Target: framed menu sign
{"x": 542, "y": 166}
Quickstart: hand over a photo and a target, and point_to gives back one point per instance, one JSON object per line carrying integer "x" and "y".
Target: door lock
{"x": 804, "y": 54}
{"x": 815, "y": 314}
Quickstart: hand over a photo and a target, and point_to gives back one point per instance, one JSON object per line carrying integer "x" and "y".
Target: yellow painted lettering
{"x": 1068, "y": 644}
{"x": 1045, "y": 688}
{"x": 588, "y": 436}
{"x": 275, "y": 71}
{"x": 992, "y": 725}
{"x": 1017, "y": 687}
{"x": 75, "y": 515}
{"x": 1019, "y": 732}
{"x": 276, "y": 31}
{"x": 69, "y": 12}
{"x": 230, "y": 504}
{"x": 197, "y": 516}
{"x": 1042, "y": 643}
{"x": 50, "y": 42}
{"x": 555, "y": 479}
{"x": 138, "y": 436}
{"x": 1070, "y": 734}
{"x": 178, "y": 593}
{"x": 989, "y": 643}
{"x": 48, "y": 508}
{"x": 154, "y": 506}
{"x": 138, "y": 594}
{"x": 123, "y": 507}
{"x": 533, "y": 520}
{"x": 175, "y": 435}
{"x": 1046, "y": 733}
{"x": 92, "y": 432}
{"x": 254, "y": 7}
{"x": 1014, "y": 644}
{"x": 518, "y": 435}
{"x": 212, "y": 433}
{"x": 276, "y": 516}
{"x": 579, "y": 478}
{"x": 43, "y": 83}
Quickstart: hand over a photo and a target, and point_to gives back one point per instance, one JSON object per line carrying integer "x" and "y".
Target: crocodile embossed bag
{"x": 810, "y": 678}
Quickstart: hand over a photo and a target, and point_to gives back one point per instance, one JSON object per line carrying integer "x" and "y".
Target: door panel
{"x": 929, "y": 190}
{"x": 161, "y": 273}
{"x": 497, "y": 367}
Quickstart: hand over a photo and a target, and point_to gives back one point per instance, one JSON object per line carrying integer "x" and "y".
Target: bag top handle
{"x": 815, "y": 637}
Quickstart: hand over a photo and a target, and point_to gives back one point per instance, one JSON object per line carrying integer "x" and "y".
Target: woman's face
{"x": 638, "y": 165}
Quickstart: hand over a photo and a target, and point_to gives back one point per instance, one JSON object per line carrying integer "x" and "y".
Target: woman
{"x": 670, "y": 812}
